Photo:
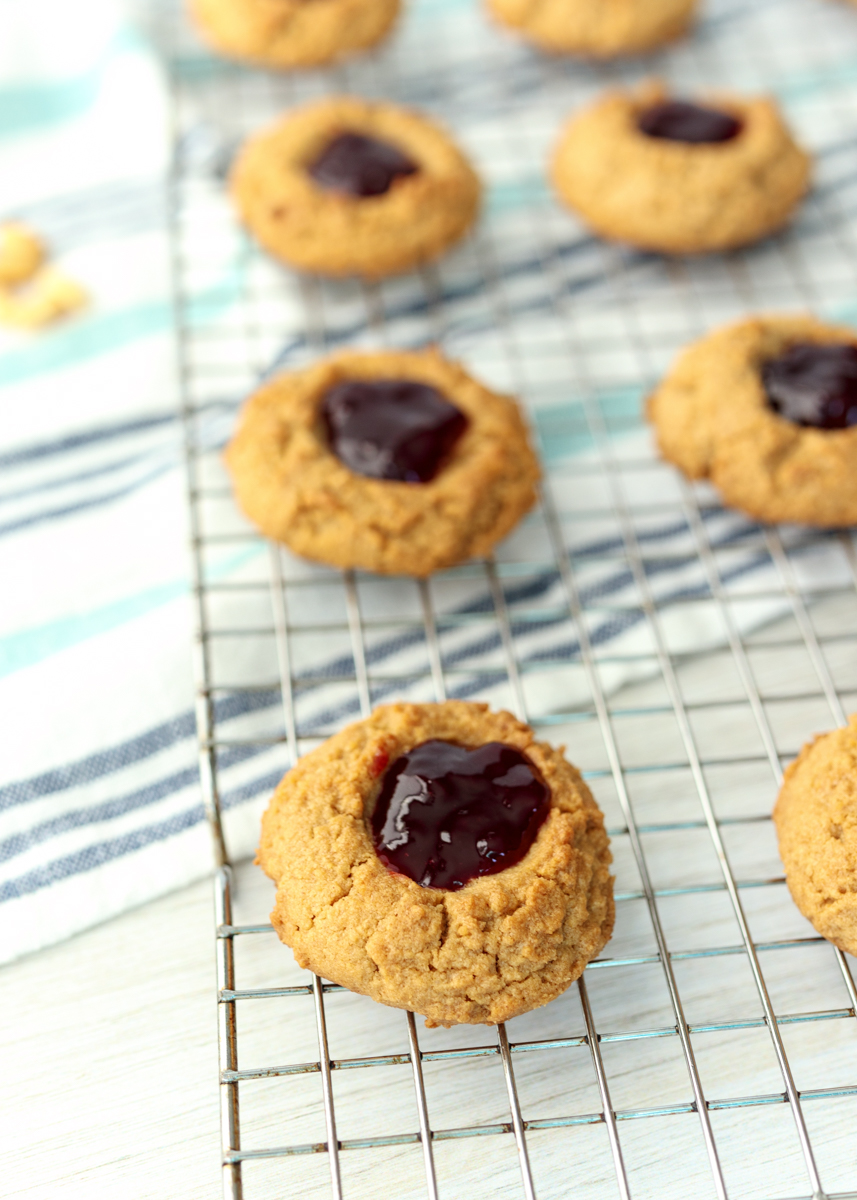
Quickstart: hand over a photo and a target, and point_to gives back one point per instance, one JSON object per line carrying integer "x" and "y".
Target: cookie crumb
{"x": 45, "y": 297}
{"x": 21, "y": 253}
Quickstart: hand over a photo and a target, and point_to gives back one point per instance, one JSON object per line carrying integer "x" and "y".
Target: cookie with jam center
{"x": 767, "y": 410}
{"x": 517, "y": 897}
{"x": 347, "y": 187}
{"x": 596, "y": 28}
{"x": 816, "y": 820}
{"x": 680, "y": 176}
{"x": 292, "y": 33}
{"x": 394, "y": 462}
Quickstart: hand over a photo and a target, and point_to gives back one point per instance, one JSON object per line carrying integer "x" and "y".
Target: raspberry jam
{"x": 680, "y": 121}
{"x": 360, "y": 165}
{"x": 447, "y": 815}
{"x": 814, "y": 385}
{"x": 391, "y": 428}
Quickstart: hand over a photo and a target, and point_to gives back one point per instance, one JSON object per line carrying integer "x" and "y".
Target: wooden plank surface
{"x": 109, "y": 1058}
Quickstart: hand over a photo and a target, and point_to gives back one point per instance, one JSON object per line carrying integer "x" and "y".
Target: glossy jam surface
{"x": 360, "y": 166}
{"x": 446, "y": 815}
{"x": 814, "y": 385}
{"x": 391, "y": 428}
{"x": 679, "y": 121}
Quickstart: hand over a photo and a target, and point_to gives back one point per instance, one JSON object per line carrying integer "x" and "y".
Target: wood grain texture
{"x": 109, "y": 1055}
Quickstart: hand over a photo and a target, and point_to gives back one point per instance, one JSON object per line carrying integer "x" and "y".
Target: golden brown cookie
{"x": 816, "y": 820}
{"x": 672, "y": 196}
{"x": 291, "y": 484}
{"x": 292, "y": 33}
{"x": 316, "y": 226}
{"x": 499, "y": 946}
{"x": 713, "y": 420}
{"x": 596, "y": 28}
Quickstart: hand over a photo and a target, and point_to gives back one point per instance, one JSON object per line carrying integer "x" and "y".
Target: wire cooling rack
{"x": 681, "y": 653}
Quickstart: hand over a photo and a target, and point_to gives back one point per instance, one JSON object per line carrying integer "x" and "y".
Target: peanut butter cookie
{"x": 680, "y": 178}
{"x": 346, "y": 187}
{"x": 816, "y": 820}
{"x": 596, "y": 28}
{"x": 292, "y": 33}
{"x": 437, "y": 858}
{"x": 767, "y": 410}
{"x": 399, "y": 463}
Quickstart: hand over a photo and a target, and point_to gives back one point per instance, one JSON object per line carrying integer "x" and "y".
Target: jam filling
{"x": 814, "y": 385}
{"x": 391, "y": 428}
{"x": 680, "y": 121}
{"x": 447, "y": 815}
{"x": 360, "y": 165}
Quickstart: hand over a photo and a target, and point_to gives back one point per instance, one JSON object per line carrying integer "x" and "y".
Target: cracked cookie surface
{"x": 292, "y": 33}
{"x": 713, "y": 421}
{"x": 316, "y": 229}
{"x": 289, "y": 482}
{"x": 501, "y": 945}
{"x": 816, "y": 820}
{"x": 672, "y": 197}
{"x": 596, "y": 28}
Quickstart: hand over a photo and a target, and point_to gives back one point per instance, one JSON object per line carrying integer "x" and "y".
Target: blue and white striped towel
{"x": 95, "y": 687}
{"x": 99, "y": 798}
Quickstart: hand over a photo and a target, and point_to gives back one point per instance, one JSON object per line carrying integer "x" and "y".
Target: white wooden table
{"x": 109, "y": 1058}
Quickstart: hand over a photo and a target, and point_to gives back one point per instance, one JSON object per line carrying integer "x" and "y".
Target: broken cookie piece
{"x": 44, "y": 298}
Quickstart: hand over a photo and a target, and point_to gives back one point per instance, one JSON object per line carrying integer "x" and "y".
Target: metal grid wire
{"x": 682, "y": 654}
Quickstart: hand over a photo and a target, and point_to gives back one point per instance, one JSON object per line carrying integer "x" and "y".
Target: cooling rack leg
{"x": 603, "y": 1087}
{"x": 422, "y": 1108}
{"x": 742, "y": 663}
{"x": 327, "y": 1090}
{"x": 686, "y": 733}
{"x": 611, "y": 746}
{"x": 227, "y": 1036}
{"x": 517, "y": 1118}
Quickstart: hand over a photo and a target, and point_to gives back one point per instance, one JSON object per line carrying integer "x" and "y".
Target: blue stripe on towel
{"x": 90, "y": 857}
{"x": 83, "y": 438}
{"x": 232, "y": 706}
{"x": 165, "y": 735}
{"x": 96, "y": 855}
